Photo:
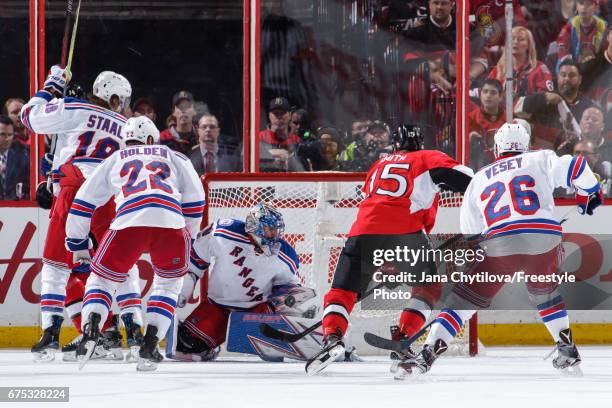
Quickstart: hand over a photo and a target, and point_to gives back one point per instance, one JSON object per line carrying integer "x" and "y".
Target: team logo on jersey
{"x": 175, "y": 261}
{"x": 50, "y": 107}
{"x": 225, "y": 222}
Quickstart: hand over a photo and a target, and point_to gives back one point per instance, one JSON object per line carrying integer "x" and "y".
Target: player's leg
{"x": 130, "y": 307}
{"x": 338, "y": 304}
{"x": 118, "y": 251}
{"x": 169, "y": 249}
{"x": 551, "y": 307}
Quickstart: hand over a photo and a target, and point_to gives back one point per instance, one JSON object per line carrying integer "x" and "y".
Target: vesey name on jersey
{"x": 105, "y": 124}
{"x": 244, "y": 273}
{"x": 155, "y": 151}
{"x": 504, "y": 165}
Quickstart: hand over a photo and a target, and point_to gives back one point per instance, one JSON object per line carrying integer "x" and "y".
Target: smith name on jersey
{"x": 90, "y": 132}
{"x": 240, "y": 275}
{"x": 153, "y": 186}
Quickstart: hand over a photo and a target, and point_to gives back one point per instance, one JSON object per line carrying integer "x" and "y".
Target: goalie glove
{"x": 294, "y": 300}
{"x": 80, "y": 250}
{"x": 56, "y": 81}
{"x": 587, "y": 203}
{"x": 189, "y": 282}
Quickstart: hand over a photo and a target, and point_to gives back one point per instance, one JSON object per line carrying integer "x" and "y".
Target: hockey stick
{"x": 276, "y": 334}
{"x": 399, "y": 346}
{"x": 73, "y": 38}
{"x": 66, "y": 32}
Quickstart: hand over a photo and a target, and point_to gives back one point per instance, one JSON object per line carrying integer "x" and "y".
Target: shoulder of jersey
{"x": 178, "y": 154}
{"x": 288, "y": 255}
{"x": 231, "y": 229}
{"x": 80, "y": 104}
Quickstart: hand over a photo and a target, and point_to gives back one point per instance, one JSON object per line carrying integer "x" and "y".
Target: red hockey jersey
{"x": 400, "y": 190}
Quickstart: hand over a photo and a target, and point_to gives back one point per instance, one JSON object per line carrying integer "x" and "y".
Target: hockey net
{"x": 319, "y": 209}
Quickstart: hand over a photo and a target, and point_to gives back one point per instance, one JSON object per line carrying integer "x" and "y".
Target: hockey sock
{"x": 338, "y": 305}
{"x": 447, "y": 325}
{"x": 414, "y": 316}
{"x": 161, "y": 303}
{"x": 52, "y": 293}
{"x": 98, "y": 298}
{"x": 554, "y": 316}
{"x": 75, "y": 289}
{"x": 128, "y": 296}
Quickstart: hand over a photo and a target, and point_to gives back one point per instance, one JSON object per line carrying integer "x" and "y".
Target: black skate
{"x": 69, "y": 350}
{"x": 190, "y": 348}
{"x": 333, "y": 347}
{"x": 396, "y": 357}
{"x": 44, "y": 350}
{"x": 422, "y": 362}
{"x": 148, "y": 355}
{"x": 133, "y": 336}
{"x": 112, "y": 340}
{"x": 568, "y": 359}
{"x": 91, "y": 336}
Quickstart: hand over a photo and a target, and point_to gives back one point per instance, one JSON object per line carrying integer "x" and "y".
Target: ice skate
{"x": 133, "y": 336}
{"x": 48, "y": 345}
{"x": 91, "y": 336}
{"x": 333, "y": 347}
{"x": 148, "y": 355}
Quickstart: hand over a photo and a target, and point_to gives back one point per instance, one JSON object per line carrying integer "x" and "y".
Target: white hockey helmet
{"x": 139, "y": 129}
{"x": 525, "y": 124}
{"x": 109, "y": 83}
{"x": 511, "y": 138}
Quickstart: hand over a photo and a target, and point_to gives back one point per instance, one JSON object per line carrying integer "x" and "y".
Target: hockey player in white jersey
{"x": 160, "y": 200}
{"x": 88, "y": 132}
{"x": 509, "y": 206}
{"x": 252, "y": 267}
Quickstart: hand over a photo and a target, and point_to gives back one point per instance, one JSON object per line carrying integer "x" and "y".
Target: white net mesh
{"x": 318, "y": 215}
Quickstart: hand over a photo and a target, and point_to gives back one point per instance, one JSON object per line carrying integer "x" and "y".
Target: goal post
{"x": 319, "y": 209}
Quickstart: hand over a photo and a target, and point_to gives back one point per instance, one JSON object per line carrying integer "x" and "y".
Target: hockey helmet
{"x": 265, "y": 224}
{"x": 511, "y": 138}
{"x": 109, "y": 83}
{"x": 139, "y": 129}
{"x": 408, "y": 137}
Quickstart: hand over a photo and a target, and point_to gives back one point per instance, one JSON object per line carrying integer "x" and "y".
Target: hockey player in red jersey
{"x": 509, "y": 205}
{"x": 400, "y": 189}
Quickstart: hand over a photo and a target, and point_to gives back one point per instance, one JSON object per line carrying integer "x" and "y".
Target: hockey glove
{"x": 587, "y": 203}
{"x": 45, "y": 164}
{"x": 189, "y": 282}
{"x": 56, "y": 81}
{"x": 80, "y": 249}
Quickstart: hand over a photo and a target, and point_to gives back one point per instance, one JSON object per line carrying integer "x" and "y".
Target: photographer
{"x": 321, "y": 154}
{"x": 364, "y": 151}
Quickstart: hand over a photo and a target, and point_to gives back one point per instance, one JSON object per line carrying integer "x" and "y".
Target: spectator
{"x": 584, "y": 35}
{"x": 593, "y": 130}
{"x": 530, "y": 75}
{"x": 439, "y": 31}
{"x": 362, "y": 153}
{"x": 277, "y": 145}
{"x": 544, "y": 108}
{"x": 12, "y": 107}
{"x": 14, "y": 164}
{"x": 300, "y": 124}
{"x": 182, "y": 136}
{"x": 484, "y": 122}
{"x": 144, "y": 107}
{"x": 321, "y": 154}
{"x": 599, "y": 166}
{"x": 597, "y": 72}
{"x": 211, "y": 155}
{"x": 545, "y": 19}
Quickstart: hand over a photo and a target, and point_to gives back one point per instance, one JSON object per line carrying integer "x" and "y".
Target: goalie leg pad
{"x": 208, "y": 323}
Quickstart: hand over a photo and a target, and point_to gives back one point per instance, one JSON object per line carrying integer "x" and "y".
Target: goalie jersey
{"x": 87, "y": 133}
{"x": 153, "y": 186}
{"x": 514, "y": 195}
{"x": 240, "y": 276}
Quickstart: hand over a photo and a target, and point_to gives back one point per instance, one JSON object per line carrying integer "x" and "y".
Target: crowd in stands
{"x": 561, "y": 58}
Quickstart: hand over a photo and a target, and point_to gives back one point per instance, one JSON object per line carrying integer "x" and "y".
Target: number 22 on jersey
{"x": 158, "y": 171}
{"x": 524, "y": 200}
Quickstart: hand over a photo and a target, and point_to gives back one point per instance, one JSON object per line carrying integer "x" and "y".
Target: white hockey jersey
{"x": 514, "y": 195}
{"x": 153, "y": 186}
{"x": 239, "y": 276}
{"x": 87, "y": 133}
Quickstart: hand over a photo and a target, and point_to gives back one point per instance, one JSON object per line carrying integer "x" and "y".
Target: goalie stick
{"x": 276, "y": 334}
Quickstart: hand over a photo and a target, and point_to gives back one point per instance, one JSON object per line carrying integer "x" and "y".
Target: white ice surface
{"x": 505, "y": 377}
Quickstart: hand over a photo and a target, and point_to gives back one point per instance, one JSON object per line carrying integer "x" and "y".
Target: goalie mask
{"x": 109, "y": 83}
{"x": 265, "y": 224}
{"x": 139, "y": 129}
{"x": 511, "y": 138}
{"x": 407, "y": 137}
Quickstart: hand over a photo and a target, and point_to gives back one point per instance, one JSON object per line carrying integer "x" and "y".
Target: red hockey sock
{"x": 411, "y": 322}
{"x": 338, "y": 305}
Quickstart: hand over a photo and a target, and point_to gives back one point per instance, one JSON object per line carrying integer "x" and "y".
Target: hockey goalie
{"x": 252, "y": 277}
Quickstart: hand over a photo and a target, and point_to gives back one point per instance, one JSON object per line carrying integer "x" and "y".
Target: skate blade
{"x": 69, "y": 356}
{"x": 394, "y": 366}
{"x": 571, "y": 371}
{"x": 316, "y": 366}
{"x": 90, "y": 346}
{"x": 132, "y": 355}
{"x": 45, "y": 356}
{"x": 146, "y": 365}
{"x": 115, "y": 354}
